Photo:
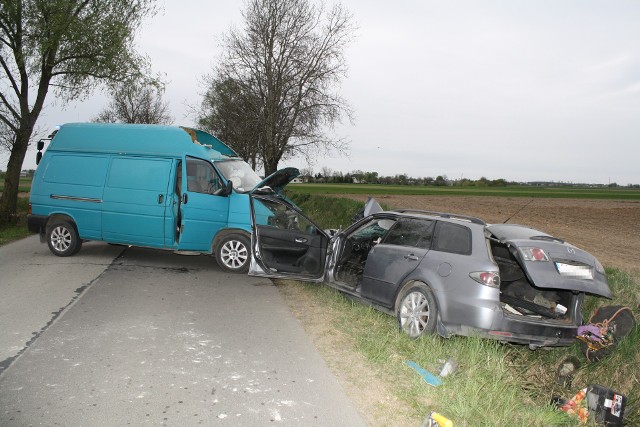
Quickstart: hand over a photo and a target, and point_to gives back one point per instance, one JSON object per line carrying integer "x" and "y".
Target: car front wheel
{"x": 417, "y": 311}
{"x": 232, "y": 253}
{"x": 62, "y": 238}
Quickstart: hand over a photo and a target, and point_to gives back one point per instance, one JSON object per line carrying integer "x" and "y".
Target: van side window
{"x": 202, "y": 177}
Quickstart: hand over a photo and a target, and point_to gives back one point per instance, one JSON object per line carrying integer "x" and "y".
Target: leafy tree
{"x": 285, "y": 62}
{"x": 136, "y": 102}
{"x": 440, "y": 180}
{"x": 68, "y": 45}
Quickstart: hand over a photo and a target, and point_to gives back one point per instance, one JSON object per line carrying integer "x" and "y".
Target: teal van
{"x": 155, "y": 186}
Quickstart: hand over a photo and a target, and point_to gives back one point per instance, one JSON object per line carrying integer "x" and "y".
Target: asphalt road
{"x": 118, "y": 336}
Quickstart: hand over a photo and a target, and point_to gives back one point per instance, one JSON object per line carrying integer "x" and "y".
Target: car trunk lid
{"x": 549, "y": 262}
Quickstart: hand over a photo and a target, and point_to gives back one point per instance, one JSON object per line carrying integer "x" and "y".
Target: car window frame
{"x": 437, "y": 233}
{"x": 422, "y": 238}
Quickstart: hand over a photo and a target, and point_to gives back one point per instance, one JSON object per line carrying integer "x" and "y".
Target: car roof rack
{"x": 442, "y": 215}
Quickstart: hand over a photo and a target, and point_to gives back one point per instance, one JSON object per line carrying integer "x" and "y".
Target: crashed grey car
{"x": 436, "y": 272}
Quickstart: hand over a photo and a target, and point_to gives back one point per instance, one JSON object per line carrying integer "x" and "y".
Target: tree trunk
{"x": 270, "y": 166}
{"x": 9, "y": 199}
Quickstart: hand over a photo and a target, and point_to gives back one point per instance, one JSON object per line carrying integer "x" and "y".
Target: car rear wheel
{"x": 232, "y": 253}
{"x": 417, "y": 311}
{"x": 62, "y": 238}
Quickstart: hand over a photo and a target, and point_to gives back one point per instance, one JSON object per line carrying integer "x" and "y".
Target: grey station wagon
{"x": 437, "y": 272}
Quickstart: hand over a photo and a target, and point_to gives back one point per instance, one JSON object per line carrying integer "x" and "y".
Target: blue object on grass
{"x": 426, "y": 375}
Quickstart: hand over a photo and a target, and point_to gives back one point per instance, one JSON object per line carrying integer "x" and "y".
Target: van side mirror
{"x": 224, "y": 191}
{"x": 38, "y": 157}
{"x": 40, "y": 145}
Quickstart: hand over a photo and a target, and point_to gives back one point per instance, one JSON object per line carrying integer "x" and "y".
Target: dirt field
{"x": 609, "y": 229}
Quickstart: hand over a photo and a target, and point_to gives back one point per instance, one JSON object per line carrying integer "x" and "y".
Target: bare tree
{"x": 288, "y": 60}
{"x": 232, "y": 114}
{"x": 136, "y": 102}
{"x": 68, "y": 45}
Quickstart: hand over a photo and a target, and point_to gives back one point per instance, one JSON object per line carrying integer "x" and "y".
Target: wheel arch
{"x": 61, "y": 217}
{"x": 224, "y": 233}
{"x": 408, "y": 285}
{"x": 441, "y": 329}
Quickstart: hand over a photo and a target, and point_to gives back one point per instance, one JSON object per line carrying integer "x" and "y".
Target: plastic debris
{"x": 577, "y": 406}
{"x": 429, "y": 378}
{"x": 606, "y": 405}
{"x": 449, "y": 367}
{"x": 437, "y": 420}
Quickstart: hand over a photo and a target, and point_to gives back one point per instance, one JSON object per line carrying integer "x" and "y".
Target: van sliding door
{"x": 136, "y": 196}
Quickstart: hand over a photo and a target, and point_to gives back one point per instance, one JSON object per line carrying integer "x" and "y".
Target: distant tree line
{"x": 360, "y": 177}
{"x": 326, "y": 175}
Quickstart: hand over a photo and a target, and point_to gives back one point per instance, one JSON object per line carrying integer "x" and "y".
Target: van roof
{"x": 118, "y": 138}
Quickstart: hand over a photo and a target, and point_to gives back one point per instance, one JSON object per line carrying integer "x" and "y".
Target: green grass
{"x": 496, "y": 384}
{"x": 18, "y": 229}
{"x": 23, "y": 187}
{"x": 510, "y": 191}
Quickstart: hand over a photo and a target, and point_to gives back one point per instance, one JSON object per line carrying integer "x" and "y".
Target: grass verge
{"x": 495, "y": 385}
{"x": 18, "y": 229}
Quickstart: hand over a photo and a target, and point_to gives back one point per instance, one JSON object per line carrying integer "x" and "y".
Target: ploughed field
{"x": 609, "y": 229}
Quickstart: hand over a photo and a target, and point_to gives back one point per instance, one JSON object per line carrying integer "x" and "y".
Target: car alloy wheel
{"x": 233, "y": 253}
{"x": 60, "y": 238}
{"x": 417, "y": 311}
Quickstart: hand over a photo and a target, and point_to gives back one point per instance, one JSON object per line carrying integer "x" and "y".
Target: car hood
{"x": 568, "y": 267}
{"x": 276, "y": 181}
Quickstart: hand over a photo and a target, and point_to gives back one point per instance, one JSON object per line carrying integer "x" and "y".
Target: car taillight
{"x": 29, "y": 211}
{"x": 533, "y": 254}
{"x": 487, "y": 278}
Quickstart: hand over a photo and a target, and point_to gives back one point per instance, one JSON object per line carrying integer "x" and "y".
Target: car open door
{"x": 285, "y": 243}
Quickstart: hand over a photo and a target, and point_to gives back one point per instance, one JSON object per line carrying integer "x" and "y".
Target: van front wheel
{"x": 232, "y": 253}
{"x": 62, "y": 238}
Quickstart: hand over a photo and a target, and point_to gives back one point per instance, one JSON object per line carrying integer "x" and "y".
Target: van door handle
{"x": 301, "y": 240}
{"x": 184, "y": 198}
{"x": 411, "y": 257}
{"x": 160, "y": 198}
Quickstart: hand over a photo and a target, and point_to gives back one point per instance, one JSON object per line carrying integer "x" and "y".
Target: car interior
{"x": 520, "y": 297}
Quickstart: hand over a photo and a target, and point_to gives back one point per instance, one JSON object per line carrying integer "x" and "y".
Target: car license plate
{"x": 575, "y": 271}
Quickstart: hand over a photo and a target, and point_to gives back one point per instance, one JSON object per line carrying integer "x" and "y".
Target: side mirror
{"x": 40, "y": 145}
{"x": 38, "y": 157}
{"x": 224, "y": 191}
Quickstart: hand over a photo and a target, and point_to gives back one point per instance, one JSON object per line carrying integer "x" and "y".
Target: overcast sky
{"x": 522, "y": 90}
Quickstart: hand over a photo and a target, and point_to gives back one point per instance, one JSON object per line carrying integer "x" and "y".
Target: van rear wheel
{"x": 232, "y": 253}
{"x": 62, "y": 238}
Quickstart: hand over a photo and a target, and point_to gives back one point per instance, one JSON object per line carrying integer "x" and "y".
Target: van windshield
{"x": 240, "y": 173}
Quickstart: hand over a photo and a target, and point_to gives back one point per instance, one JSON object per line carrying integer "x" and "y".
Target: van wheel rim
{"x": 60, "y": 239}
{"x": 414, "y": 314}
{"x": 234, "y": 254}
